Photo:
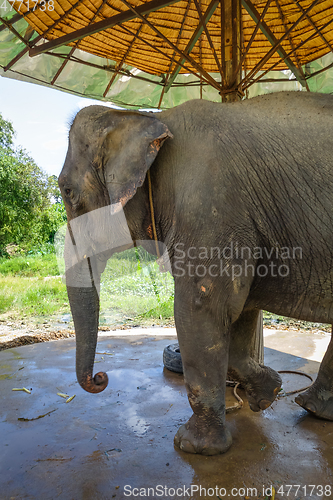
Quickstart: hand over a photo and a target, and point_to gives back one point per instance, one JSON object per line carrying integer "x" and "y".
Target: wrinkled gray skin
{"x": 257, "y": 173}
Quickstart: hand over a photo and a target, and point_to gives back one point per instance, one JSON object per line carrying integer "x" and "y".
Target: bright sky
{"x": 40, "y": 117}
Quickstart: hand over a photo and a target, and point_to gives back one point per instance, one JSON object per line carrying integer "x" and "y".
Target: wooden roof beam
{"x": 19, "y": 56}
{"x": 13, "y": 20}
{"x": 250, "y": 82}
{"x": 19, "y": 16}
{"x": 63, "y": 17}
{"x": 109, "y": 22}
{"x": 314, "y": 26}
{"x": 194, "y": 38}
{"x": 210, "y": 41}
{"x": 316, "y": 73}
{"x": 62, "y": 67}
{"x": 16, "y": 58}
{"x": 180, "y": 34}
{"x": 243, "y": 56}
{"x": 174, "y": 54}
{"x": 292, "y": 45}
{"x": 76, "y": 59}
{"x": 156, "y": 49}
{"x": 13, "y": 30}
{"x": 188, "y": 58}
{"x": 252, "y": 11}
{"x": 122, "y": 62}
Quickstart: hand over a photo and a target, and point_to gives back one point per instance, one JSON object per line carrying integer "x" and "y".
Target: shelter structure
{"x": 158, "y": 53}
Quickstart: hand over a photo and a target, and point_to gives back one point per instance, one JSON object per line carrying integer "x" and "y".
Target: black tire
{"x": 172, "y": 358}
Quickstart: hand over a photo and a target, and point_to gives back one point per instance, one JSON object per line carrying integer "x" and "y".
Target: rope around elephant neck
{"x": 152, "y": 213}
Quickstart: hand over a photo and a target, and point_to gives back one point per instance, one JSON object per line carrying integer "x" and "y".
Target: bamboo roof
{"x": 140, "y": 45}
{"x": 167, "y": 37}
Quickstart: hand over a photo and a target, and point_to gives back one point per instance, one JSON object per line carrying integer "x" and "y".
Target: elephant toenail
{"x": 307, "y": 406}
{"x": 254, "y": 407}
{"x": 187, "y": 446}
{"x": 310, "y": 407}
{"x": 299, "y": 400}
{"x": 264, "y": 404}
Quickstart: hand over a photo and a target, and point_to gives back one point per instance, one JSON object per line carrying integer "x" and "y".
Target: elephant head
{"x": 108, "y": 156}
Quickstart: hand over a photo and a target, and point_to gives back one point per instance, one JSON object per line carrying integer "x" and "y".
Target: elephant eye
{"x": 72, "y": 196}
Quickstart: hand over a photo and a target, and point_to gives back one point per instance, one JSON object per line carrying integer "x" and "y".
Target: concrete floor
{"x": 99, "y": 447}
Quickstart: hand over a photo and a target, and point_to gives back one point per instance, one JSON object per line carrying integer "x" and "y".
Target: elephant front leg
{"x": 262, "y": 384}
{"x": 204, "y": 340}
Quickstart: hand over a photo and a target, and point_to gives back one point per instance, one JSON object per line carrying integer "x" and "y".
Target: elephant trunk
{"x": 84, "y": 303}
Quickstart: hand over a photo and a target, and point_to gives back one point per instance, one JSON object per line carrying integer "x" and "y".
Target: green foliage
{"x": 31, "y": 209}
{"x": 133, "y": 288}
{"x": 32, "y": 296}
{"x": 53, "y": 190}
{"x": 31, "y": 286}
{"x": 6, "y": 133}
{"x": 164, "y": 310}
{"x": 47, "y": 224}
{"x": 29, "y": 266}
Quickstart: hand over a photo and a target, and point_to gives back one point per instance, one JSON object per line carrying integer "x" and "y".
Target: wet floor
{"x": 119, "y": 444}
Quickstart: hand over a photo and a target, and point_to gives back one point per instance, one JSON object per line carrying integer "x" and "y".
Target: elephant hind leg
{"x": 318, "y": 399}
{"x": 262, "y": 384}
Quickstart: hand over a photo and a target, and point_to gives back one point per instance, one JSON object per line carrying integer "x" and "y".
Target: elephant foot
{"x": 318, "y": 401}
{"x": 262, "y": 387}
{"x": 203, "y": 439}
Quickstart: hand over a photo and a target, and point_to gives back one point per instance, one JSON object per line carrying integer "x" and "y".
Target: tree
{"x": 6, "y": 133}
{"x": 54, "y": 190}
{"x": 31, "y": 209}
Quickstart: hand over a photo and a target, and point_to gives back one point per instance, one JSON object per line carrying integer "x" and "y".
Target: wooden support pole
{"x": 258, "y": 344}
{"x": 231, "y": 49}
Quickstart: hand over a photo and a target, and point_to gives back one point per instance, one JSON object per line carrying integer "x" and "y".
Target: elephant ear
{"x": 131, "y": 145}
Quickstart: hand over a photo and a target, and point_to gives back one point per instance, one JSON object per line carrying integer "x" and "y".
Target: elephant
{"x": 242, "y": 202}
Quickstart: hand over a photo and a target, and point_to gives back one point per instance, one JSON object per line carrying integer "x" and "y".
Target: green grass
{"x": 132, "y": 294}
{"x": 132, "y": 289}
{"x": 32, "y": 297}
{"x": 32, "y": 265}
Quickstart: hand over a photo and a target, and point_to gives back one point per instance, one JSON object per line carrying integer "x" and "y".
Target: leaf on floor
{"x": 36, "y": 418}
